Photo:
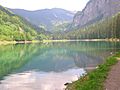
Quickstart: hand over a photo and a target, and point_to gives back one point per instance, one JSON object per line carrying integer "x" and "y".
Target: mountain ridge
{"x": 96, "y": 10}
{"x": 46, "y": 18}
{"x": 16, "y": 28}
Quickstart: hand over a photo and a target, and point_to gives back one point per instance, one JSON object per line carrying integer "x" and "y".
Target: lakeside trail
{"x": 113, "y": 79}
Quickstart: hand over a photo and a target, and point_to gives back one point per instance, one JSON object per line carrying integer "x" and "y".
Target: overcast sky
{"x": 72, "y": 5}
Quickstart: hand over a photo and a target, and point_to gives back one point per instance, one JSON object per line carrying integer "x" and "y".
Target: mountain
{"x": 16, "y": 28}
{"x": 100, "y": 19}
{"x": 107, "y": 29}
{"x": 96, "y": 10}
{"x": 46, "y": 18}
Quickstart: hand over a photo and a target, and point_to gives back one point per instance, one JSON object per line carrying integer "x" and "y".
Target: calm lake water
{"x": 50, "y": 66}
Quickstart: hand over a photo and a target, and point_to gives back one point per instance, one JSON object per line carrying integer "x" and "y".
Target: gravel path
{"x": 113, "y": 80}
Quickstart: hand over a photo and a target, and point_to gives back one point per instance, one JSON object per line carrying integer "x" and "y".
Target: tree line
{"x": 108, "y": 28}
{"x": 15, "y": 28}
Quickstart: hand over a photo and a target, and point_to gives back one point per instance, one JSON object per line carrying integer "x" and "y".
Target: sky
{"x": 71, "y": 5}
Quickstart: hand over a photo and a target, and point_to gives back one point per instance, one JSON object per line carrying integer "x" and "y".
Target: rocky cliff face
{"x": 96, "y": 10}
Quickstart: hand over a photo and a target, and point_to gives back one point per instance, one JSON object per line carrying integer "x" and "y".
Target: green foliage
{"x": 60, "y": 28}
{"x": 105, "y": 29}
{"x": 95, "y": 79}
{"x": 13, "y": 27}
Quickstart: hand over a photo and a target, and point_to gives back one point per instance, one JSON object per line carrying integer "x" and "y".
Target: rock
{"x": 96, "y": 10}
{"x": 66, "y": 84}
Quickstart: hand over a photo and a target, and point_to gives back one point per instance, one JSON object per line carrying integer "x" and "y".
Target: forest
{"x": 108, "y": 28}
{"x": 15, "y": 28}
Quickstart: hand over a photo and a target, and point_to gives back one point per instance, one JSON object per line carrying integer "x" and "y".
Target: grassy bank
{"x": 15, "y": 42}
{"x": 7, "y": 42}
{"x": 94, "y": 80}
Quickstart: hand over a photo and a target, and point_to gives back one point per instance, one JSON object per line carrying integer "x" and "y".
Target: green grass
{"x": 95, "y": 79}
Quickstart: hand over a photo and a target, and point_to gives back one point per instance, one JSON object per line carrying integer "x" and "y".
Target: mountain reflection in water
{"x": 50, "y": 66}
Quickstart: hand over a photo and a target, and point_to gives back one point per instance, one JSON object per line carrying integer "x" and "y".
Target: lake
{"x": 49, "y": 66}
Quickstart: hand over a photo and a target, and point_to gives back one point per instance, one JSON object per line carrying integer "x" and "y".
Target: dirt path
{"x": 113, "y": 80}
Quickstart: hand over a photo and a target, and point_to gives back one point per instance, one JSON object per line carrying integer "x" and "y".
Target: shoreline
{"x": 18, "y": 42}
{"x": 62, "y": 40}
{"x": 95, "y": 79}
{"x": 87, "y": 40}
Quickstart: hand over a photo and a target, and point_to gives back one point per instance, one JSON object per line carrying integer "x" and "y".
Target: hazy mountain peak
{"x": 46, "y": 17}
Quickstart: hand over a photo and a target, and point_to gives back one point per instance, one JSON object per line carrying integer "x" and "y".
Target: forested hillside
{"x": 15, "y": 28}
{"x": 108, "y": 28}
{"x": 49, "y": 19}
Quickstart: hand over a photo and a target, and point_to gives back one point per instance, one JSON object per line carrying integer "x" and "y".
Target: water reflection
{"x": 43, "y": 66}
{"x": 40, "y": 80}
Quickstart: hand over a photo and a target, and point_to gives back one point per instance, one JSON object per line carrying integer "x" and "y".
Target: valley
{"x": 58, "y": 49}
